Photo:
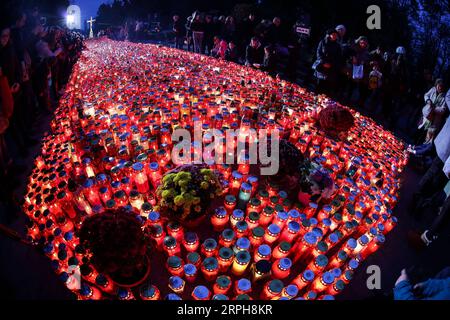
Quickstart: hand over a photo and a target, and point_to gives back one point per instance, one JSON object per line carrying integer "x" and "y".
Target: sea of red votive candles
{"x": 110, "y": 145}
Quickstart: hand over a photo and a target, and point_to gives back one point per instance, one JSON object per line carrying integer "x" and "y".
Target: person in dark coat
{"x": 178, "y": 30}
{"x": 328, "y": 62}
{"x": 247, "y": 28}
{"x": 208, "y": 41}
{"x": 254, "y": 54}
{"x": 270, "y": 60}
{"x": 232, "y": 54}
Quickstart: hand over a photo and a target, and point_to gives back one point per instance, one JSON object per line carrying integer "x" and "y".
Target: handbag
{"x": 358, "y": 72}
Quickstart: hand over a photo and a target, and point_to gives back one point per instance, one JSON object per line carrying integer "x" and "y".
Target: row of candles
{"x": 110, "y": 146}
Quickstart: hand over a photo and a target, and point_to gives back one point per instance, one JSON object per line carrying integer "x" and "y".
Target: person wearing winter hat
{"x": 342, "y": 31}
{"x": 328, "y": 62}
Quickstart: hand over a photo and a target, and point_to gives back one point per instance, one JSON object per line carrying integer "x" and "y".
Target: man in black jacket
{"x": 254, "y": 54}
{"x": 328, "y": 62}
{"x": 178, "y": 30}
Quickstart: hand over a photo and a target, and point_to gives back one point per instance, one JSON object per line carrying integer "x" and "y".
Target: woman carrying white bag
{"x": 434, "y": 112}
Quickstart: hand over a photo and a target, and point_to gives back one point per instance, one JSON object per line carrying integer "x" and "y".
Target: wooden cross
{"x": 91, "y": 32}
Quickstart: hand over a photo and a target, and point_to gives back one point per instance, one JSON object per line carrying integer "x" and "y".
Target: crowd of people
{"x": 377, "y": 81}
{"x": 35, "y": 63}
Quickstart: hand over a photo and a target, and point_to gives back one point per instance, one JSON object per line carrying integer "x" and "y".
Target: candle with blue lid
{"x": 289, "y": 292}
{"x": 176, "y": 284}
{"x": 241, "y": 245}
{"x": 225, "y": 258}
{"x": 281, "y": 268}
{"x": 242, "y": 286}
{"x": 222, "y": 285}
{"x": 272, "y": 234}
{"x": 201, "y": 293}
{"x": 241, "y": 262}
{"x": 237, "y": 215}
{"x": 190, "y": 272}
{"x": 304, "y": 279}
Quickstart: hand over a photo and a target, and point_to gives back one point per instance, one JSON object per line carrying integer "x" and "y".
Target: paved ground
{"x": 26, "y": 274}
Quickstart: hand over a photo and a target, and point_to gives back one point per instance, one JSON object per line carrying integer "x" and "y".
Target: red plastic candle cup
{"x": 282, "y": 250}
{"x": 91, "y": 193}
{"x": 336, "y": 287}
{"x": 352, "y": 265}
{"x": 304, "y": 279}
{"x": 347, "y": 276}
{"x": 252, "y": 220}
{"x": 291, "y": 232}
{"x": 318, "y": 264}
{"x": 281, "y": 268}
{"x": 175, "y": 266}
{"x": 321, "y": 248}
{"x": 209, "y": 247}
{"x": 191, "y": 241}
{"x": 311, "y": 210}
{"x": 222, "y": 285}
{"x": 310, "y": 295}
{"x": 272, "y": 290}
{"x": 242, "y": 286}
{"x": 176, "y": 284}
{"x": 263, "y": 196}
{"x": 242, "y": 244}
{"x": 175, "y": 230}
{"x": 227, "y": 238}
{"x": 140, "y": 178}
{"x": 210, "y": 268}
{"x": 290, "y": 291}
{"x": 254, "y": 205}
{"x": 230, "y": 203}
{"x": 154, "y": 174}
{"x": 304, "y": 247}
{"x": 323, "y": 282}
{"x": 361, "y": 243}
{"x": 194, "y": 258}
{"x": 272, "y": 234}
{"x": 241, "y": 229}
{"x": 294, "y": 215}
{"x": 263, "y": 252}
{"x": 257, "y": 237}
{"x": 237, "y": 215}
{"x": 332, "y": 239}
{"x": 350, "y": 246}
{"x": 149, "y": 292}
{"x": 390, "y": 224}
{"x": 171, "y": 246}
{"x": 266, "y": 216}
{"x": 88, "y": 292}
{"x": 373, "y": 246}
{"x": 201, "y": 293}
{"x": 219, "y": 219}
{"x": 236, "y": 180}
{"x": 158, "y": 235}
{"x": 280, "y": 219}
{"x": 240, "y": 263}
{"x": 338, "y": 259}
{"x": 190, "y": 272}
{"x": 324, "y": 213}
{"x": 225, "y": 258}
